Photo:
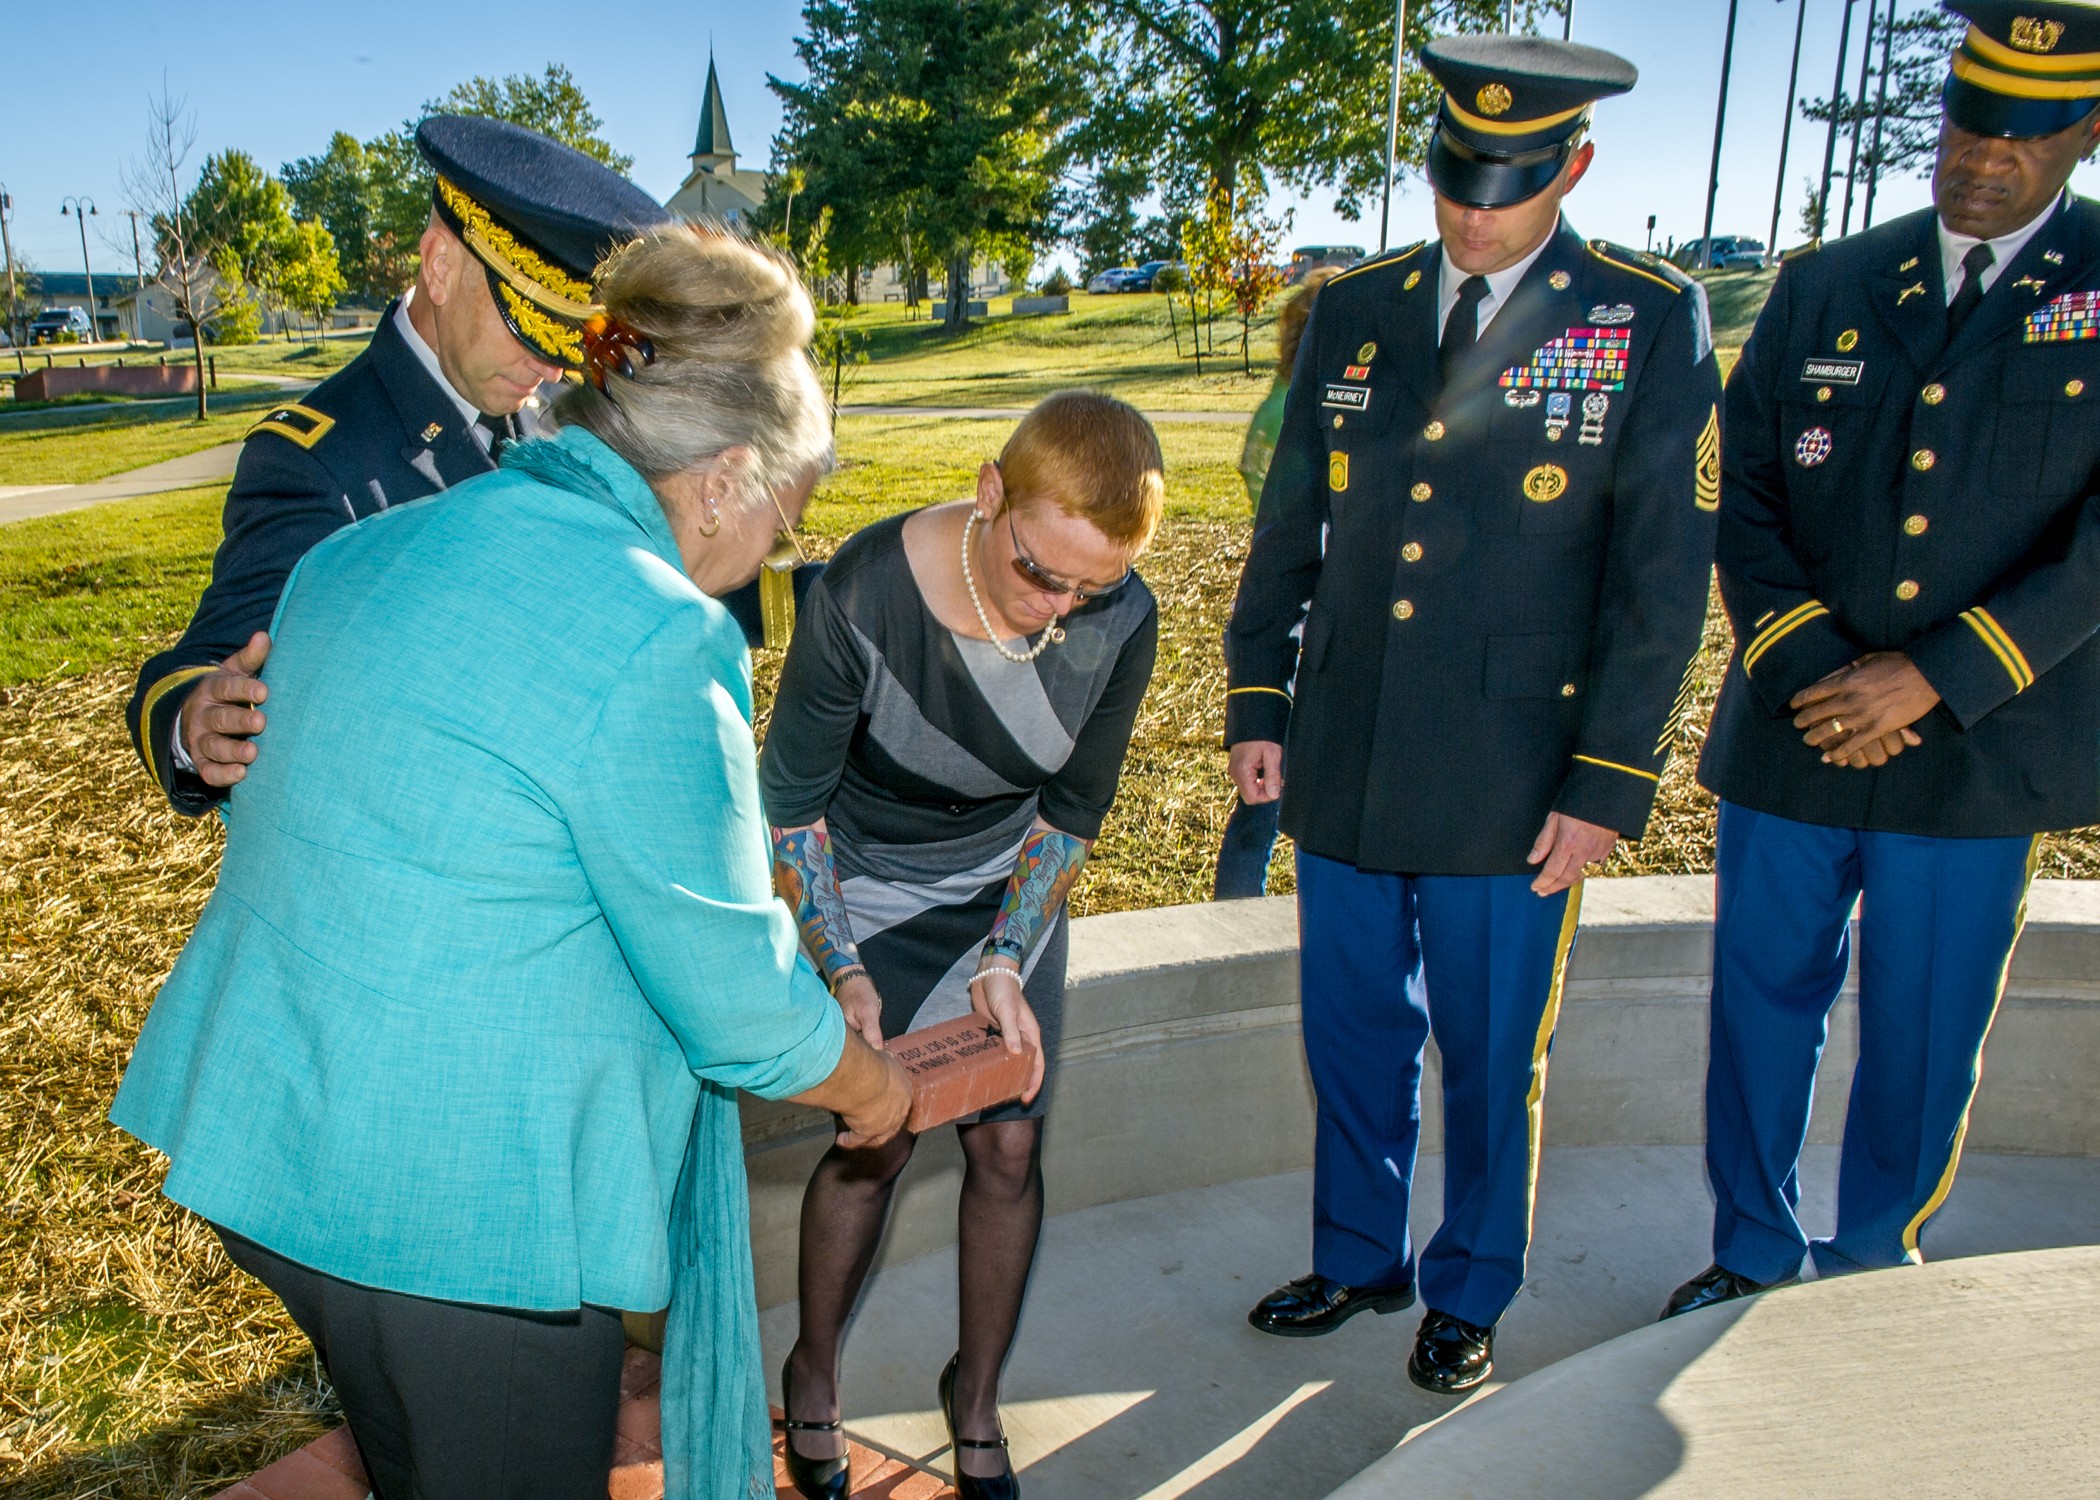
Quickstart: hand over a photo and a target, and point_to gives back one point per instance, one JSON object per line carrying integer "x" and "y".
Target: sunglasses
{"x": 787, "y": 552}
{"x": 1036, "y": 577}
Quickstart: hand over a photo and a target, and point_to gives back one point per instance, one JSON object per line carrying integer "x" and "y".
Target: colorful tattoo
{"x": 807, "y": 878}
{"x": 1043, "y": 876}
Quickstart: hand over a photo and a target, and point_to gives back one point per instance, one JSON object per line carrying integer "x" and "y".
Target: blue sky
{"x": 275, "y": 80}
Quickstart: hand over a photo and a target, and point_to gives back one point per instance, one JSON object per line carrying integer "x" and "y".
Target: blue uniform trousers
{"x": 1938, "y": 920}
{"x": 1384, "y": 960}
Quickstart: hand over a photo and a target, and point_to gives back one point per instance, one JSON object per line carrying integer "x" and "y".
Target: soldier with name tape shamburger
{"x": 1910, "y": 556}
{"x": 1492, "y": 507}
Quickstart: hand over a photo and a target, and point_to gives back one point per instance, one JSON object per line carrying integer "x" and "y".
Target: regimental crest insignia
{"x": 1414, "y": 279}
{"x": 1366, "y": 354}
{"x": 1545, "y": 484}
{"x": 1706, "y": 473}
{"x": 1848, "y": 341}
{"x": 2070, "y": 318}
{"x": 1338, "y": 472}
{"x": 1495, "y": 99}
{"x": 1813, "y": 448}
{"x": 2032, "y": 35}
{"x": 1560, "y": 281}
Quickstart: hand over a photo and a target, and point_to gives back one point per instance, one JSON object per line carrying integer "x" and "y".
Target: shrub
{"x": 1057, "y": 283}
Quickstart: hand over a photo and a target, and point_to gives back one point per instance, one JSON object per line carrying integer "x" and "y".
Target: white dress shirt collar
{"x": 427, "y": 357}
{"x": 1500, "y": 284}
{"x": 1954, "y": 249}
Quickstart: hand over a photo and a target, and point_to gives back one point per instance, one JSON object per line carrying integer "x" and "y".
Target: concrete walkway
{"x": 1135, "y": 1376}
{"x": 211, "y": 466}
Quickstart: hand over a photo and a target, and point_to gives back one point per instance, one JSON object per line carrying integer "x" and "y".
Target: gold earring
{"x": 713, "y": 515}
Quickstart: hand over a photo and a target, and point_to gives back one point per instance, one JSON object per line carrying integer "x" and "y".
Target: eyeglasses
{"x": 1035, "y": 577}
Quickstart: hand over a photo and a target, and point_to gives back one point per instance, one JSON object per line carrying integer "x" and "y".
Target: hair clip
{"x": 611, "y": 346}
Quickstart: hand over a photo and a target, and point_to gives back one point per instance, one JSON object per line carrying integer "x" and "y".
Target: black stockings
{"x": 1000, "y": 1215}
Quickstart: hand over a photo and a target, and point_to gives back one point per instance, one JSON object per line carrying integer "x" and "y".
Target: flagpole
{"x": 1392, "y": 123}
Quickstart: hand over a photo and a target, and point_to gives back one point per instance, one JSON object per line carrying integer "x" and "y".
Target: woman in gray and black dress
{"x": 951, "y": 723}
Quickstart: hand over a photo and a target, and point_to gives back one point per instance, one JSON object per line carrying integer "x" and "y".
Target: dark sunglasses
{"x": 1035, "y": 577}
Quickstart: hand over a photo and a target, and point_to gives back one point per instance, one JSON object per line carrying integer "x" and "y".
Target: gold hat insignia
{"x": 2032, "y": 35}
{"x": 1546, "y": 483}
{"x": 1495, "y": 99}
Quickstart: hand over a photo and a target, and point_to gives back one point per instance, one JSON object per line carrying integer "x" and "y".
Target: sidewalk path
{"x": 212, "y": 466}
{"x": 215, "y": 465}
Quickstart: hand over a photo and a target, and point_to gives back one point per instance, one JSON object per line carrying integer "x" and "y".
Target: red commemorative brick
{"x": 301, "y": 1476}
{"x": 641, "y": 1422}
{"x": 636, "y": 1482}
{"x": 338, "y": 1450}
{"x": 911, "y": 1484}
{"x": 957, "y": 1068}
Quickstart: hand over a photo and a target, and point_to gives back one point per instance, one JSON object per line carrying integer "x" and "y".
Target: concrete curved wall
{"x": 1182, "y": 1065}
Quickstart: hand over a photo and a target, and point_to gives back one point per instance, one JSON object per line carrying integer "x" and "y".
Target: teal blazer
{"x": 495, "y": 925}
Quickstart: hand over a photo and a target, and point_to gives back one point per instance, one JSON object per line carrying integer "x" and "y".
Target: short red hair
{"x": 1093, "y": 457}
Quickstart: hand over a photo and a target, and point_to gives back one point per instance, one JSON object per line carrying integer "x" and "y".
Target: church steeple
{"x": 711, "y": 147}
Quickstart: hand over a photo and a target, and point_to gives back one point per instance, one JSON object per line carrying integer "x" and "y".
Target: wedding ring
{"x": 1836, "y": 727}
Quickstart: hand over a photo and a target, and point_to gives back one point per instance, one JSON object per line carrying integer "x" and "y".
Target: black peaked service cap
{"x": 539, "y": 216}
{"x": 2024, "y": 69}
{"x": 1515, "y": 108}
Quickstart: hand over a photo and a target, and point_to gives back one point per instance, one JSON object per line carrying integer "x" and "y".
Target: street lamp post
{"x": 138, "y": 272}
{"x": 7, "y": 253}
{"x": 1713, "y": 176}
{"x": 80, "y": 208}
{"x": 1830, "y": 140}
{"x": 1786, "y": 130}
{"x": 1392, "y": 122}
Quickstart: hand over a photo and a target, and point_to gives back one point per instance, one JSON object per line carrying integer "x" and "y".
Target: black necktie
{"x": 500, "y": 432}
{"x": 1973, "y": 265}
{"x": 1462, "y": 328}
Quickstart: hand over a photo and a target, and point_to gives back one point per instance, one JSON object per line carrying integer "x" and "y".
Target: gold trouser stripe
{"x": 1667, "y": 285}
{"x": 1612, "y": 765}
{"x": 1968, "y": 70}
{"x": 1535, "y": 1101}
{"x": 1279, "y": 692}
{"x": 154, "y": 694}
{"x": 1780, "y": 628}
{"x": 2002, "y": 646}
{"x": 1991, "y": 50}
{"x": 1916, "y": 1226}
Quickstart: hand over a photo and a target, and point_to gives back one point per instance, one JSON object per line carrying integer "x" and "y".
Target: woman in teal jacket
{"x": 494, "y": 942}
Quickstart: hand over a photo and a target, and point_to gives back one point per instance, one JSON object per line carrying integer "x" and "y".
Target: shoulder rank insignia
{"x": 301, "y": 424}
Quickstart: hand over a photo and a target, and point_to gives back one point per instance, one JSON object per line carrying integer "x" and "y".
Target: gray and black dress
{"x": 929, "y": 755}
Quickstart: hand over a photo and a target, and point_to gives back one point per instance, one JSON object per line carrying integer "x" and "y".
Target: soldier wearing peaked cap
{"x": 518, "y": 222}
{"x": 1910, "y": 556}
{"x": 1492, "y": 507}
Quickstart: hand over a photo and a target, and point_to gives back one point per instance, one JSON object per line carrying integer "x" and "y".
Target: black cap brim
{"x": 1477, "y": 180}
{"x": 1980, "y": 111}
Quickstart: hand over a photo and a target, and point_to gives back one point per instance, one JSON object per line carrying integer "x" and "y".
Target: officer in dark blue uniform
{"x": 1492, "y": 506}
{"x": 518, "y": 223}
{"x": 1910, "y": 555}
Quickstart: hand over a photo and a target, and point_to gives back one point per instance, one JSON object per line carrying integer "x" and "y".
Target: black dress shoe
{"x": 813, "y": 1478}
{"x": 1451, "y": 1355}
{"x": 970, "y": 1486}
{"x": 1713, "y": 1286}
{"x": 1314, "y": 1305}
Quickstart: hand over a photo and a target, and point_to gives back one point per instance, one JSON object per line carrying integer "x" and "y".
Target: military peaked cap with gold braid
{"x": 2024, "y": 69}
{"x": 539, "y": 216}
{"x": 1515, "y": 109}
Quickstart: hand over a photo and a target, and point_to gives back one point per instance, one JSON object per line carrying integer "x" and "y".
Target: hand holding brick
{"x": 958, "y": 1068}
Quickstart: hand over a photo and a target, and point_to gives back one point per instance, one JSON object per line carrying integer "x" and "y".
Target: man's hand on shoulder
{"x": 221, "y": 716}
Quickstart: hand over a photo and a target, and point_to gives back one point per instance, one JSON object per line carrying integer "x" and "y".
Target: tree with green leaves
{"x": 309, "y": 276}
{"x": 934, "y": 127}
{"x": 1217, "y": 95}
{"x": 338, "y": 189}
{"x": 1900, "y": 129}
{"x": 246, "y": 216}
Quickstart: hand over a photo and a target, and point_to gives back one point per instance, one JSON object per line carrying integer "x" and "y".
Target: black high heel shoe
{"x": 969, "y": 1486}
{"x": 813, "y": 1478}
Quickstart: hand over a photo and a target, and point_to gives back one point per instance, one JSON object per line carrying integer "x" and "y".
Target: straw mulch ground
{"x": 134, "y": 1362}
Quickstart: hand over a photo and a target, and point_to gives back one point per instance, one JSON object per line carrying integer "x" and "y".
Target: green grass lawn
{"x": 277, "y": 357}
{"x": 79, "y": 451}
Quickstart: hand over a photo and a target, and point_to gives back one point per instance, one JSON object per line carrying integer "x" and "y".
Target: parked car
{"x": 1140, "y": 280}
{"x": 1732, "y": 252}
{"x": 62, "y": 325}
{"x": 1307, "y": 259}
{"x": 1112, "y": 280}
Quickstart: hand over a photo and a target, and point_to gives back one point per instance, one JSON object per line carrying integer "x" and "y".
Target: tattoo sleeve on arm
{"x": 1042, "y": 878}
{"x": 808, "y": 880}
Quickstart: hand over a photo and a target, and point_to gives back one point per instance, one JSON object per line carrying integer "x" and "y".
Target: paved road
{"x": 215, "y": 465}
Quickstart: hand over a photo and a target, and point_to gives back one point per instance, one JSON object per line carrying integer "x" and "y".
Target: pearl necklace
{"x": 1051, "y": 635}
